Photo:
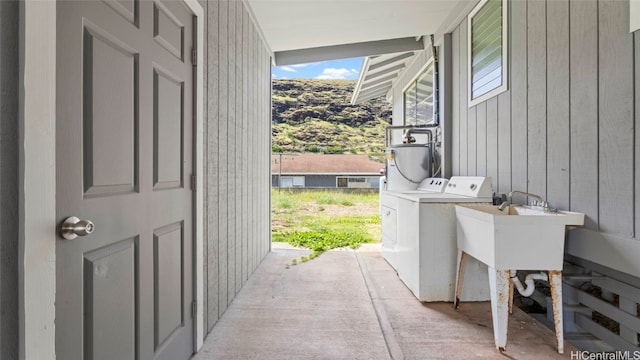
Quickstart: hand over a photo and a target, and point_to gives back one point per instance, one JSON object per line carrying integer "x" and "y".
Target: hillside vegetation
{"x": 316, "y": 116}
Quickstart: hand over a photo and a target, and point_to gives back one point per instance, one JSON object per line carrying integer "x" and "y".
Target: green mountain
{"x": 316, "y": 116}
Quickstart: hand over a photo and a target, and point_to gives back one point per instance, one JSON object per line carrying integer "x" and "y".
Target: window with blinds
{"x": 487, "y": 49}
{"x": 418, "y": 98}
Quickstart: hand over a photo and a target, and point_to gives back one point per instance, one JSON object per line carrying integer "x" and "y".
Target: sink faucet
{"x": 539, "y": 202}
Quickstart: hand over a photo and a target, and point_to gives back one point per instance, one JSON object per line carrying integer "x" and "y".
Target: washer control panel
{"x": 471, "y": 186}
{"x": 433, "y": 184}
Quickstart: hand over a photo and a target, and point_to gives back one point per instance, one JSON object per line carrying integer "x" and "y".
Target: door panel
{"x": 168, "y": 246}
{"x": 109, "y": 300}
{"x": 123, "y": 160}
{"x": 168, "y": 30}
{"x": 109, "y": 104}
{"x": 168, "y": 123}
{"x": 126, "y": 8}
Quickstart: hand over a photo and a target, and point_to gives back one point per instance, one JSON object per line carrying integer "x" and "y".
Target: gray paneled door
{"x": 124, "y": 161}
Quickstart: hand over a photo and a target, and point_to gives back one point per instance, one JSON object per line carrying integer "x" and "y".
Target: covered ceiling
{"x": 300, "y": 31}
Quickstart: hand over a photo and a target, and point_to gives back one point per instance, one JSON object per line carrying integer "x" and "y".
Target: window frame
{"x": 293, "y": 179}
{"x": 367, "y": 180}
{"x": 423, "y": 70}
{"x": 505, "y": 55}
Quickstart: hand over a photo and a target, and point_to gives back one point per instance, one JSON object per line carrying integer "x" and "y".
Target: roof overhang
{"x": 345, "y": 51}
{"x": 378, "y": 74}
{"x": 388, "y": 33}
{"x": 302, "y": 31}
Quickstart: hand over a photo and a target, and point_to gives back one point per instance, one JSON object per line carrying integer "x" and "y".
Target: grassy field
{"x": 324, "y": 219}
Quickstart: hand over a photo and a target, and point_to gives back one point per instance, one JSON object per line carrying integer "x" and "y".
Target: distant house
{"x": 324, "y": 171}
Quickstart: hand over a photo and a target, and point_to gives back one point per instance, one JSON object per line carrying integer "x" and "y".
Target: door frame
{"x": 37, "y": 198}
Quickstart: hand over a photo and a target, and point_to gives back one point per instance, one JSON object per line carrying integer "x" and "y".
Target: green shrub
{"x": 284, "y": 201}
{"x": 321, "y": 241}
{"x": 313, "y": 149}
{"x": 334, "y": 150}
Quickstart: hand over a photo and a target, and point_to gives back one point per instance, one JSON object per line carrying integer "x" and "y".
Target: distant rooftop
{"x": 325, "y": 164}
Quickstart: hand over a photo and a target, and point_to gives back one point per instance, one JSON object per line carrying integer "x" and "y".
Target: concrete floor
{"x": 349, "y": 304}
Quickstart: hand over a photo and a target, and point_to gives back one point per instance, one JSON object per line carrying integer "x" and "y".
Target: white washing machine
{"x": 388, "y": 214}
{"x": 419, "y": 238}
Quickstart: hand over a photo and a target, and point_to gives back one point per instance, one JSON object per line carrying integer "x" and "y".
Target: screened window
{"x": 487, "y": 47}
{"x": 418, "y": 99}
{"x": 292, "y": 181}
{"x": 357, "y": 182}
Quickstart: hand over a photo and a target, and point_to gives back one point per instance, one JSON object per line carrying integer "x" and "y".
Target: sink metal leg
{"x": 555, "y": 280}
{"x": 462, "y": 263}
{"x": 499, "y": 284}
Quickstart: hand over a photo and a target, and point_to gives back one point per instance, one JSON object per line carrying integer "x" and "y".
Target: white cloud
{"x": 288, "y": 68}
{"x": 337, "y": 74}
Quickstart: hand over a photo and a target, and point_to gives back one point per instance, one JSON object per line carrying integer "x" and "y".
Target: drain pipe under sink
{"x": 528, "y": 291}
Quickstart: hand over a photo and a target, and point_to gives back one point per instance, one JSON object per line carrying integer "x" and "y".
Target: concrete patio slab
{"x": 349, "y": 304}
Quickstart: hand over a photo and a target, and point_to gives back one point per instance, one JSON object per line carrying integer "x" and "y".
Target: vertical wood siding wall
{"x": 9, "y": 180}
{"x": 238, "y": 151}
{"x": 565, "y": 129}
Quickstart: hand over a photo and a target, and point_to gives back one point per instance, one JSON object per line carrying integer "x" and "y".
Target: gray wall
{"x": 565, "y": 129}
{"x": 8, "y": 179}
{"x": 238, "y": 147}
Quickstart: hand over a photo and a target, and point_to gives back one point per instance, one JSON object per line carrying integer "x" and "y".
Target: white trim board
{"x": 634, "y": 15}
{"x": 199, "y": 173}
{"x": 616, "y": 252}
{"x": 37, "y": 180}
{"x": 37, "y": 201}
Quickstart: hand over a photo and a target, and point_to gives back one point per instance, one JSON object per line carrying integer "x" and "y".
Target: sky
{"x": 347, "y": 69}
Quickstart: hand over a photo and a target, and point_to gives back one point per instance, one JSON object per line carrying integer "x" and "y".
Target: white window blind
{"x": 487, "y": 50}
{"x": 418, "y": 98}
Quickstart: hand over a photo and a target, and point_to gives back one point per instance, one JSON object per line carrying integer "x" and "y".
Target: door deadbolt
{"x": 73, "y": 227}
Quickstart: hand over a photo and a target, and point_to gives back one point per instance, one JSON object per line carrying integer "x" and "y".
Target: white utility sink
{"x": 521, "y": 237}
